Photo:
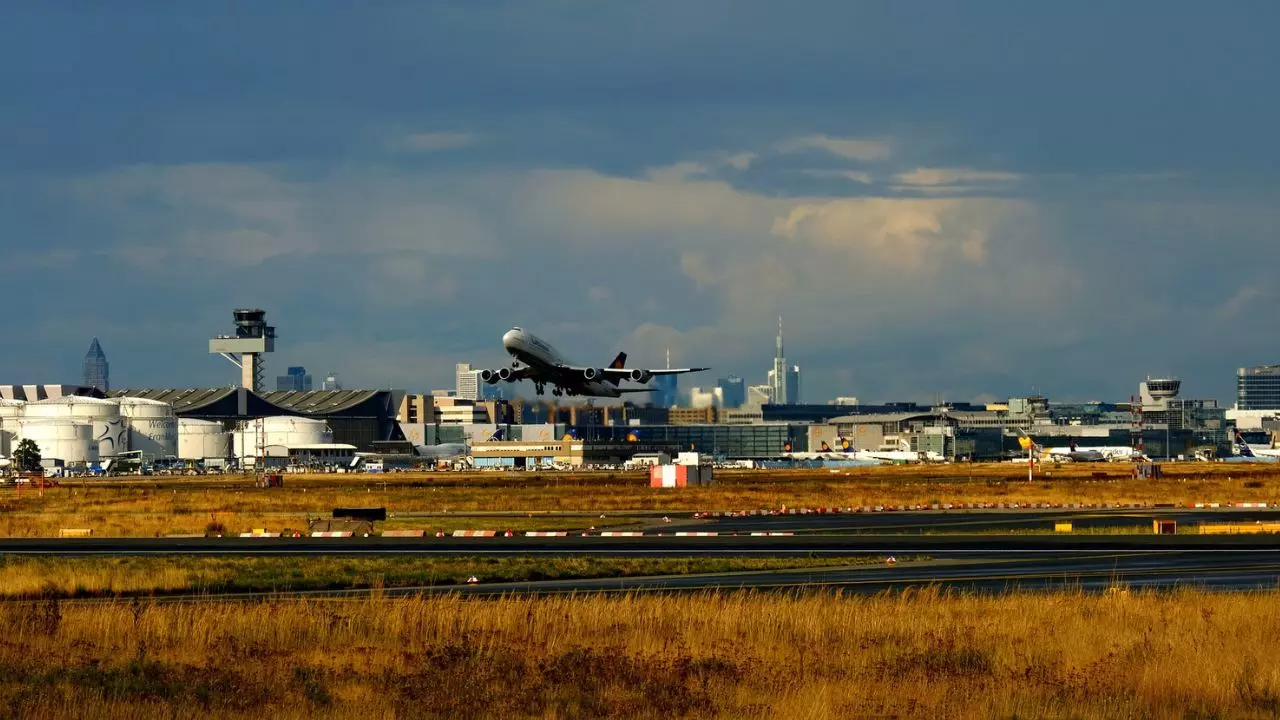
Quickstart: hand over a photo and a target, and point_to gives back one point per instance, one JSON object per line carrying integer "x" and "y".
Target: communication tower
{"x": 1135, "y": 424}
{"x": 253, "y": 337}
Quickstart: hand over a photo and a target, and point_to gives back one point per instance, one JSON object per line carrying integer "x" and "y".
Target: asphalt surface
{"x": 967, "y": 521}
{"x": 959, "y": 556}
{"x": 668, "y": 545}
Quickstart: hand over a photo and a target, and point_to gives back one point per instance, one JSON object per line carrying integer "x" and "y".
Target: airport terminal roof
{"x": 182, "y": 399}
{"x": 871, "y": 418}
{"x": 319, "y": 402}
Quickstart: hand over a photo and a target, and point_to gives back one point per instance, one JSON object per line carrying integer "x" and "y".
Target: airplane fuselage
{"x": 546, "y": 365}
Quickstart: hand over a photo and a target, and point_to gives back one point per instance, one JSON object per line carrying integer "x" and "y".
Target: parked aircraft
{"x": 1246, "y": 453}
{"x": 449, "y": 451}
{"x": 536, "y": 360}
{"x": 1074, "y": 453}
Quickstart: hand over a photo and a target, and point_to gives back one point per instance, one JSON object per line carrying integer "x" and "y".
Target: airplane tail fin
{"x": 1242, "y": 447}
{"x": 497, "y": 435}
{"x": 619, "y": 362}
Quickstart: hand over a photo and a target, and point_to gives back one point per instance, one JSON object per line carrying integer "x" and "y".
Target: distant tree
{"x": 26, "y": 458}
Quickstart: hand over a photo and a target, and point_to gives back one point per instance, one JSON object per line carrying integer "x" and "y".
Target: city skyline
{"x": 1037, "y": 200}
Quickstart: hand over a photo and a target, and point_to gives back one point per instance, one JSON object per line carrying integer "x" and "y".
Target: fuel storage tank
{"x": 71, "y": 441}
{"x": 279, "y": 433}
{"x": 202, "y": 439}
{"x": 152, "y": 426}
{"x": 103, "y": 417}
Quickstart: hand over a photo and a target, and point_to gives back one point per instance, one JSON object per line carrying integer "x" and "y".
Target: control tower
{"x": 253, "y": 337}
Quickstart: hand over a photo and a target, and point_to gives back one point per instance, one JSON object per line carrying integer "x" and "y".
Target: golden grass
{"x": 739, "y": 655}
{"x": 186, "y": 505}
{"x": 69, "y": 577}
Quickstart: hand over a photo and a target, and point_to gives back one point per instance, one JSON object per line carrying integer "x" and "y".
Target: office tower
{"x": 781, "y": 373}
{"x": 331, "y": 382}
{"x": 466, "y": 382}
{"x": 734, "y": 391}
{"x": 793, "y": 385}
{"x": 1257, "y": 388}
{"x": 296, "y": 380}
{"x": 96, "y": 370}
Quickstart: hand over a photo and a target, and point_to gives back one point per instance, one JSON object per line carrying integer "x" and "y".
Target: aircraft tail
{"x": 619, "y": 362}
{"x": 1242, "y": 447}
{"x": 496, "y": 436}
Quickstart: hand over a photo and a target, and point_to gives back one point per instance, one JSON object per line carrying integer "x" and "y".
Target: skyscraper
{"x": 1257, "y": 388}
{"x": 296, "y": 380}
{"x": 466, "y": 382}
{"x": 781, "y": 374}
{"x": 96, "y": 370}
{"x": 666, "y": 388}
{"x": 733, "y": 390}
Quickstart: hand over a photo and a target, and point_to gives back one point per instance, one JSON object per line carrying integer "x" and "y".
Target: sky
{"x": 948, "y": 200}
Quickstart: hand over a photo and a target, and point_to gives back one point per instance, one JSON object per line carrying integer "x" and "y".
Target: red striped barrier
{"x": 404, "y": 533}
{"x": 536, "y": 533}
{"x": 621, "y": 533}
{"x": 1252, "y": 505}
{"x": 260, "y": 535}
{"x": 697, "y": 534}
{"x": 332, "y": 534}
{"x": 474, "y": 533}
{"x": 771, "y": 534}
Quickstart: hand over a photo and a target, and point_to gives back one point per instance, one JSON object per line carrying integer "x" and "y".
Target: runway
{"x": 966, "y": 550}
{"x": 968, "y": 521}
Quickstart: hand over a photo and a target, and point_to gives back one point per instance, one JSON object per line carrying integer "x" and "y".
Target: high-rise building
{"x": 782, "y": 375}
{"x": 699, "y": 398}
{"x": 1257, "y": 388}
{"x": 666, "y": 390}
{"x": 758, "y": 395}
{"x": 466, "y": 382}
{"x": 331, "y": 382}
{"x": 733, "y": 390}
{"x": 793, "y": 385}
{"x": 96, "y": 370}
{"x": 296, "y": 380}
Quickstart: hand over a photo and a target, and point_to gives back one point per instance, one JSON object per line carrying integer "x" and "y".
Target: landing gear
{"x": 539, "y": 388}
{"x": 557, "y": 392}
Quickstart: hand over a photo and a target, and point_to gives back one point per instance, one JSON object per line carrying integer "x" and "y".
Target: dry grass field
{"x": 1179, "y": 655}
{"x": 150, "y": 506}
{"x": 71, "y": 577}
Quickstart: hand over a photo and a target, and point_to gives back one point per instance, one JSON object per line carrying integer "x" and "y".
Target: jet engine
{"x": 640, "y": 376}
{"x": 494, "y": 376}
{"x": 592, "y": 374}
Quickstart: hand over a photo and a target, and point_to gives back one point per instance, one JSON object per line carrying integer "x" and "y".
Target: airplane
{"x": 846, "y": 454}
{"x": 536, "y": 360}
{"x": 1246, "y": 453}
{"x": 449, "y": 451}
{"x": 1072, "y": 453}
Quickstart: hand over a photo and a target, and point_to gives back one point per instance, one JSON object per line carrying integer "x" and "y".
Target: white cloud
{"x": 741, "y": 161}
{"x": 436, "y": 141}
{"x": 864, "y": 149}
{"x": 953, "y": 176}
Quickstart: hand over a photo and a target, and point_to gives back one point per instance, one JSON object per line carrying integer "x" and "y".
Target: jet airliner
{"x": 537, "y": 361}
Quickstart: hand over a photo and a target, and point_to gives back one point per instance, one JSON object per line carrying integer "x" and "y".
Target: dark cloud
{"x": 1072, "y": 197}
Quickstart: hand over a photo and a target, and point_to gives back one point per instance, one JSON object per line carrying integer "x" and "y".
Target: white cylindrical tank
{"x": 102, "y": 415}
{"x": 70, "y": 441}
{"x": 10, "y": 412}
{"x": 202, "y": 439}
{"x": 279, "y": 433}
{"x": 153, "y": 428}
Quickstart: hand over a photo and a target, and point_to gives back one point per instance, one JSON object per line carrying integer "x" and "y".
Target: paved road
{"x": 1100, "y": 572}
{"x": 798, "y": 545}
{"x": 963, "y": 521}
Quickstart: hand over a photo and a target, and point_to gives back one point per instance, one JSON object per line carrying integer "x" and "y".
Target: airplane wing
{"x": 622, "y": 373}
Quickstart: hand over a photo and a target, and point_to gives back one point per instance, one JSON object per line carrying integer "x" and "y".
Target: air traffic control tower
{"x": 245, "y": 349}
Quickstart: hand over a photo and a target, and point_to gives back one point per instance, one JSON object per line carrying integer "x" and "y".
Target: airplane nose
{"x": 510, "y": 337}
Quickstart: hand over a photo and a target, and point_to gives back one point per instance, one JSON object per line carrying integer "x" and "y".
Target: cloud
{"x": 950, "y": 180}
{"x": 426, "y": 142}
{"x": 864, "y": 149}
{"x": 741, "y": 161}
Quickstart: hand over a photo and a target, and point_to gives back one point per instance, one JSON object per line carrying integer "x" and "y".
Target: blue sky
{"x": 943, "y": 199}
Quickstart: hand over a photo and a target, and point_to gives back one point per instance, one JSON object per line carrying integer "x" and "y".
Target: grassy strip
{"x": 22, "y": 577}
{"x": 139, "y": 510}
{"x": 732, "y": 655}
